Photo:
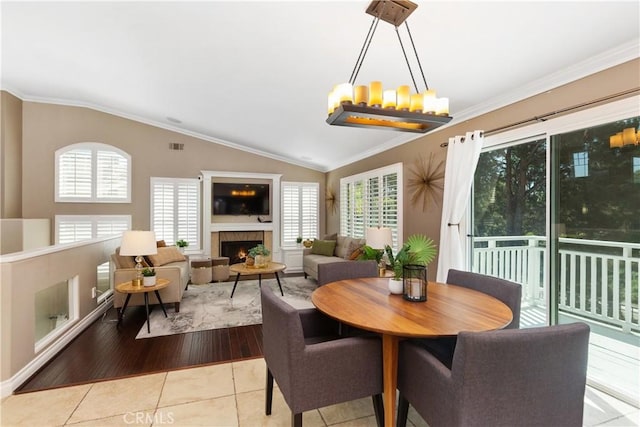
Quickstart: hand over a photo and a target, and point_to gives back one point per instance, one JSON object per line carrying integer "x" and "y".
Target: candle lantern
{"x": 414, "y": 281}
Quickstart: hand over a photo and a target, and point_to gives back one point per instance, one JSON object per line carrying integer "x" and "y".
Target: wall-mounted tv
{"x": 240, "y": 199}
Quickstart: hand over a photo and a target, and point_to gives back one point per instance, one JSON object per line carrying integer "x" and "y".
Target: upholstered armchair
{"x": 510, "y": 293}
{"x": 313, "y": 365}
{"x": 515, "y": 377}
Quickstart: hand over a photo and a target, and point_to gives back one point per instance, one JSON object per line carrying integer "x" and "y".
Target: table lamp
{"x": 138, "y": 243}
{"x": 379, "y": 238}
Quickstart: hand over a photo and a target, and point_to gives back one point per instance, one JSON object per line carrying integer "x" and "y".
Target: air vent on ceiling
{"x": 176, "y": 146}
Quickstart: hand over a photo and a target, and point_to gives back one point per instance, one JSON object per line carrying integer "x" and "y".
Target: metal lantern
{"x": 414, "y": 280}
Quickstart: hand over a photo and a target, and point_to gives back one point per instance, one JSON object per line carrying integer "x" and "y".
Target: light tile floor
{"x": 230, "y": 394}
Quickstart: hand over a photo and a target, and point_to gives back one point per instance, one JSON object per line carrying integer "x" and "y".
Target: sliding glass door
{"x": 560, "y": 214}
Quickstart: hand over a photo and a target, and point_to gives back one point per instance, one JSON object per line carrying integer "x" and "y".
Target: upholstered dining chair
{"x": 517, "y": 377}
{"x": 510, "y": 293}
{"x": 313, "y": 365}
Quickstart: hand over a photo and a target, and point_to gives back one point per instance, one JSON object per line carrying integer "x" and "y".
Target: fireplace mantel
{"x": 211, "y": 229}
{"x": 241, "y": 226}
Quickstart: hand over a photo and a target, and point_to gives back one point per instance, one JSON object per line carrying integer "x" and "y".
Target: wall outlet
{"x": 93, "y": 292}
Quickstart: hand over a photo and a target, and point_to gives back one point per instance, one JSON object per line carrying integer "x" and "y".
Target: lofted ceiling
{"x": 255, "y": 75}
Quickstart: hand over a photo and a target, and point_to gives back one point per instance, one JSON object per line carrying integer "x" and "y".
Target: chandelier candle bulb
{"x": 389, "y": 98}
{"x": 442, "y": 106}
{"x": 629, "y": 136}
{"x": 403, "y": 98}
{"x": 615, "y": 141}
{"x": 429, "y": 102}
{"x": 375, "y": 94}
{"x": 415, "y": 105}
{"x": 361, "y": 95}
{"x": 345, "y": 92}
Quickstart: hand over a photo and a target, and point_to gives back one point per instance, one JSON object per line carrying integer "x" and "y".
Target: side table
{"x": 129, "y": 288}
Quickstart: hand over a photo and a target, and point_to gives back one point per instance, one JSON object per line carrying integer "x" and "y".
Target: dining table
{"x": 367, "y": 303}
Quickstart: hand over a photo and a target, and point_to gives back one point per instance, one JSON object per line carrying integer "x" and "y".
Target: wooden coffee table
{"x": 129, "y": 288}
{"x": 242, "y": 270}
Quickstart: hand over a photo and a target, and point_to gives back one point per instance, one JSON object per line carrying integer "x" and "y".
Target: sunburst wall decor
{"x": 426, "y": 181}
{"x": 331, "y": 200}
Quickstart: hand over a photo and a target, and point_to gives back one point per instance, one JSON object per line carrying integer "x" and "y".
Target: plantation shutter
{"x": 390, "y": 205}
{"x": 300, "y": 211}
{"x": 175, "y": 212}
{"x": 74, "y": 174}
{"x": 112, "y": 175}
{"x": 72, "y": 228}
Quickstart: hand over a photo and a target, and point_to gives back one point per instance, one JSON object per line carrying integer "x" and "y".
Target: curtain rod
{"x": 545, "y": 117}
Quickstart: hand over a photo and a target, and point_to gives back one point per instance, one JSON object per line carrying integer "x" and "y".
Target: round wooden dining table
{"x": 366, "y": 303}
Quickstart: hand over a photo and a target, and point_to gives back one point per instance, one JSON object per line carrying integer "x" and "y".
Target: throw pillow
{"x": 165, "y": 256}
{"x": 356, "y": 254}
{"x": 124, "y": 261}
{"x": 333, "y": 236}
{"x": 323, "y": 247}
{"x": 354, "y": 246}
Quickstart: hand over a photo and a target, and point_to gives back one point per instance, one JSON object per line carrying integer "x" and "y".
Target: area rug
{"x": 209, "y": 306}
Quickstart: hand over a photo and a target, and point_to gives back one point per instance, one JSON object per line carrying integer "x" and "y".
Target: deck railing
{"x": 598, "y": 279}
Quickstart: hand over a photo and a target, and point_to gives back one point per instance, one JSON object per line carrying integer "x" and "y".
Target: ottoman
{"x": 200, "y": 271}
{"x": 220, "y": 269}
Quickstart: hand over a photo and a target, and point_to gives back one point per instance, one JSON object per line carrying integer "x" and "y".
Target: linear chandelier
{"x": 373, "y": 106}
{"x": 628, "y": 137}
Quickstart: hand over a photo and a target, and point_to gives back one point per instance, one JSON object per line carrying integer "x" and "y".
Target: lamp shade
{"x": 378, "y": 237}
{"x": 135, "y": 243}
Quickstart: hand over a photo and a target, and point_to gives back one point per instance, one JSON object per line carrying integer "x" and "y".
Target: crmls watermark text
{"x": 159, "y": 418}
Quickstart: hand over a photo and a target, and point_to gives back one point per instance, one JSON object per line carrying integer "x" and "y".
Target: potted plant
{"x": 418, "y": 249}
{"x": 299, "y": 239}
{"x": 149, "y": 276}
{"x": 182, "y": 244}
{"x": 259, "y": 253}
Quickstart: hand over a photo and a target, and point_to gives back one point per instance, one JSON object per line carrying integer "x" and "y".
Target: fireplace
{"x": 237, "y": 250}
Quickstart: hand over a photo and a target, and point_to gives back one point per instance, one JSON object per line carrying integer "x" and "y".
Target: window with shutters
{"x": 175, "y": 210}
{"x": 372, "y": 199}
{"x": 72, "y": 228}
{"x": 300, "y": 211}
{"x": 91, "y": 172}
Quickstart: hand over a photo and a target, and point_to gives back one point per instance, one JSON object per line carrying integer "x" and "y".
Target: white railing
{"x": 598, "y": 279}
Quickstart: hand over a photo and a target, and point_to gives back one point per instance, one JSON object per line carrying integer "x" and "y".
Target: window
{"x": 175, "y": 210}
{"x": 92, "y": 172}
{"x": 372, "y": 199}
{"x": 636, "y": 170}
{"x": 581, "y": 164}
{"x": 71, "y": 228}
{"x": 300, "y": 211}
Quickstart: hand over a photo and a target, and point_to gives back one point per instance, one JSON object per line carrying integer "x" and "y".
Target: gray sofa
{"x": 341, "y": 264}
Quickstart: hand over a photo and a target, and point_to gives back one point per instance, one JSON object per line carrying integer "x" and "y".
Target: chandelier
{"x": 372, "y": 106}
{"x": 628, "y": 137}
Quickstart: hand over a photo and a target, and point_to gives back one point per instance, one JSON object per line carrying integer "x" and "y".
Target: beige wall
{"x": 612, "y": 81}
{"x": 49, "y": 127}
{"x": 10, "y": 156}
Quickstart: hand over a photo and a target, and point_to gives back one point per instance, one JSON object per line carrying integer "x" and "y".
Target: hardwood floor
{"x": 106, "y": 351}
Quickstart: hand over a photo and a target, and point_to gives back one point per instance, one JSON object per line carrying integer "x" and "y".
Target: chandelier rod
{"x": 364, "y": 49}
{"x": 407, "y": 60}
{"x": 406, "y": 23}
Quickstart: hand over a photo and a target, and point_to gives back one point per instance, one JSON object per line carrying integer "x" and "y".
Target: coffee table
{"x": 242, "y": 270}
{"x": 129, "y": 288}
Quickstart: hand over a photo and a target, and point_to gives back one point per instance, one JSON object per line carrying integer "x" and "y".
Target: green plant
{"x": 182, "y": 243}
{"x": 418, "y": 249}
{"x": 369, "y": 253}
{"x": 299, "y": 239}
{"x": 148, "y": 272}
{"x": 258, "y": 250}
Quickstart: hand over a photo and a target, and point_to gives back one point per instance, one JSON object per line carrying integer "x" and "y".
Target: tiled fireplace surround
{"x": 217, "y": 237}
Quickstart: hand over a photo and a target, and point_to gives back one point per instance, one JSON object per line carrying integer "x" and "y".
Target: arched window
{"x": 92, "y": 172}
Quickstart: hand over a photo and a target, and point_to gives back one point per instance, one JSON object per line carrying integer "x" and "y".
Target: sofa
{"x": 169, "y": 263}
{"x": 334, "y": 258}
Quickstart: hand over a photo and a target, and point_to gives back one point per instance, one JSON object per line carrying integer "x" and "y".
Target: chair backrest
{"x": 533, "y": 376}
{"x": 506, "y": 291}
{"x": 334, "y": 271}
{"x": 282, "y": 336}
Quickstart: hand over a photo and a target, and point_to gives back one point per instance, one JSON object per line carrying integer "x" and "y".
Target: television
{"x": 240, "y": 198}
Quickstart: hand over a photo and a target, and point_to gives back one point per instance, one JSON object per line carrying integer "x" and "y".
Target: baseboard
{"x": 7, "y": 387}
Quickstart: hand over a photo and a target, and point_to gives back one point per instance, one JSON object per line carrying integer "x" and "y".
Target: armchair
{"x": 312, "y": 364}
{"x": 517, "y": 377}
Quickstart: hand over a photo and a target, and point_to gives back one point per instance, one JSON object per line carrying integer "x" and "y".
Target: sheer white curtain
{"x": 462, "y": 158}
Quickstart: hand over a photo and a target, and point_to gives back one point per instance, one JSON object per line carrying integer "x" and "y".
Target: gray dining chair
{"x": 510, "y": 293}
{"x": 313, "y": 365}
{"x": 517, "y": 377}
